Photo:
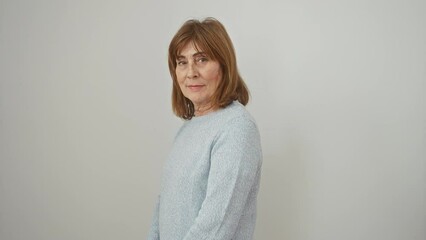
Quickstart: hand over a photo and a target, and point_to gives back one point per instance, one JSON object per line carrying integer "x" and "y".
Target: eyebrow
{"x": 197, "y": 54}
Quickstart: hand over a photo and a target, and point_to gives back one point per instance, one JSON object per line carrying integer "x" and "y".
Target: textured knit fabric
{"x": 211, "y": 179}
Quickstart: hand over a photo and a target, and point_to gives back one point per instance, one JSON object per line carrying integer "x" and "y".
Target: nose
{"x": 192, "y": 71}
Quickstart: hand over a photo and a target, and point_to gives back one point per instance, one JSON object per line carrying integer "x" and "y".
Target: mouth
{"x": 195, "y": 87}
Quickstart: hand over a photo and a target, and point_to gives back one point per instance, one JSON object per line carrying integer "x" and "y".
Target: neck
{"x": 203, "y": 110}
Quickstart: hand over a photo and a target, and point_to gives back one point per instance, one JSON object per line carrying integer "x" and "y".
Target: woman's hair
{"x": 210, "y": 37}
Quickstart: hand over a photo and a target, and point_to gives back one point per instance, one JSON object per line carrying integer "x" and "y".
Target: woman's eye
{"x": 181, "y": 62}
{"x": 202, "y": 59}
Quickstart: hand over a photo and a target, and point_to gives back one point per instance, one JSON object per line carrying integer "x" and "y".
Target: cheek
{"x": 218, "y": 76}
{"x": 214, "y": 74}
{"x": 179, "y": 76}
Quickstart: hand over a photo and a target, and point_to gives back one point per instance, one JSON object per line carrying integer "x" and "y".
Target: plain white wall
{"x": 338, "y": 91}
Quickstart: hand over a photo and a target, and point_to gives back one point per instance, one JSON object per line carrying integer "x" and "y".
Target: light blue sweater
{"x": 211, "y": 179}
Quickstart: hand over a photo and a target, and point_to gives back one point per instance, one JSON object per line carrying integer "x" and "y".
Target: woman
{"x": 211, "y": 178}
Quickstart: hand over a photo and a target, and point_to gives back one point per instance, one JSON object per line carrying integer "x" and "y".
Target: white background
{"x": 338, "y": 91}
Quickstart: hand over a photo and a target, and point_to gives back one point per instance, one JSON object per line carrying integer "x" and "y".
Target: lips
{"x": 195, "y": 87}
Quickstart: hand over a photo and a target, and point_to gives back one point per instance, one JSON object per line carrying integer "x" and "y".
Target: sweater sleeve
{"x": 154, "y": 231}
{"x": 235, "y": 164}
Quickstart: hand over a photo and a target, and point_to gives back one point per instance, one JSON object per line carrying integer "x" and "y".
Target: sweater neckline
{"x": 212, "y": 114}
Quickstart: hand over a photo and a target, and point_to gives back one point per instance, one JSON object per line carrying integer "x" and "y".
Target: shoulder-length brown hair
{"x": 211, "y": 37}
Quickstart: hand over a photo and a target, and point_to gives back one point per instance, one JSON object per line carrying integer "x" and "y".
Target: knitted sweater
{"x": 211, "y": 179}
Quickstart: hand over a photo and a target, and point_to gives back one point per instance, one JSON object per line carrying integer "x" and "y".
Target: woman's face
{"x": 198, "y": 76}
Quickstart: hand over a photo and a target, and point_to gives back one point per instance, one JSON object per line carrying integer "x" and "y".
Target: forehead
{"x": 189, "y": 49}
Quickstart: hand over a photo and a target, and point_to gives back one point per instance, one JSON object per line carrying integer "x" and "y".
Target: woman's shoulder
{"x": 236, "y": 118}
{"x": 238, "y": 128}
{"x": 237, "y": 112}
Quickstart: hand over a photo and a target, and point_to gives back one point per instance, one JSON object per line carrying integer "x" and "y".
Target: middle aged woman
{"x": 211, "y": 177}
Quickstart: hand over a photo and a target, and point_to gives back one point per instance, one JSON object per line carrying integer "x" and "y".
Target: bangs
{"x": 199, "y": 42}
